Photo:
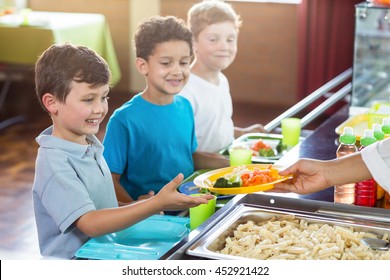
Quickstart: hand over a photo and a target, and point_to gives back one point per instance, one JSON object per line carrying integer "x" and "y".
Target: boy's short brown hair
{"x": 158, "y": 29}
{"x": 209, "y": 12}
{"x": 61, "y": 64}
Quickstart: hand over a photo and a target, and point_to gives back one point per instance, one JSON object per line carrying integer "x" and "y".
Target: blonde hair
{"x": 209, "y": 12}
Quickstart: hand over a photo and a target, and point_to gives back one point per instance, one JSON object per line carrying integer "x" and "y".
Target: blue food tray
{"x": 146, "y": 240}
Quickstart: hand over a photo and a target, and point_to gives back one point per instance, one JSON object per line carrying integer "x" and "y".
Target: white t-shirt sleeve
{"x": 377, "y": 160}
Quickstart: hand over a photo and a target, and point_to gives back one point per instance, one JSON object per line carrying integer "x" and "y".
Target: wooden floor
{"x": 18, "y": 237}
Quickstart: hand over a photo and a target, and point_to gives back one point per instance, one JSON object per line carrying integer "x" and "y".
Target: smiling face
{"x": 216, "y": 46}
{"x": 84, "y": 109}
{"x": 166, "y": 71}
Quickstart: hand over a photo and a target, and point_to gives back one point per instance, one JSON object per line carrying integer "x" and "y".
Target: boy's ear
{"x": 50, "y": 103}
{"x": 142, "y": 65}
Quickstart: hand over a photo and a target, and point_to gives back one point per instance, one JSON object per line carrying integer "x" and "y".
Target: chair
{"x": 9, "y": 74}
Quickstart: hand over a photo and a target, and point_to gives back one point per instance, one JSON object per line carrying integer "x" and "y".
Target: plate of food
{"x": 240, "y": 179}
{"x": 266, "y": 148}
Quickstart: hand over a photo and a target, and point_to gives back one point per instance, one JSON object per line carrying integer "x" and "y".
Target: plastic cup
{"x": 291, "y": 131}
{"x": 199, "y": 214}
{"x": 25, "y": 13}
{"x": 240, "y": 157}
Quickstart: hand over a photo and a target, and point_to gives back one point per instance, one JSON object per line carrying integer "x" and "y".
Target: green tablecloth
{"x": 23, "y": 44}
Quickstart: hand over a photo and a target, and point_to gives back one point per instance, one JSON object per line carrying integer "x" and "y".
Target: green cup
{"x": 240, "y": 157}
{"x": 199, "y": 214}
{"x": 25, "y": 13}
{"x": 291, "y": 131}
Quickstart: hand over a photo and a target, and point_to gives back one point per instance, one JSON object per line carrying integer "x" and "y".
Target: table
{"x": 22, "y": 44}
{"x": 24, "y": 38}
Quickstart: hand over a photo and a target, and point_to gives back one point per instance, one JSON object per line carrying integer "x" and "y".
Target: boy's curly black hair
{"x": 157, "y": 30}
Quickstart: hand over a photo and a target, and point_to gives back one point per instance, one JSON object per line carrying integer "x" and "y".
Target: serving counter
{"x": 321, "y": 144}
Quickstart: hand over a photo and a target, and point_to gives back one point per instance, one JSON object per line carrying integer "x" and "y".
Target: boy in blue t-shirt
{"x": 73, "y": 193}
{"x": 151, "y": 138}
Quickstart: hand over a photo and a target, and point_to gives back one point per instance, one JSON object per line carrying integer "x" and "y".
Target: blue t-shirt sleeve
{"x": 194, "y": 142}
{"x": 116, "y": 143}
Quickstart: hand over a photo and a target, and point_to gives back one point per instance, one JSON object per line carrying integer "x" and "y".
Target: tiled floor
{"x": 18, "y": 237}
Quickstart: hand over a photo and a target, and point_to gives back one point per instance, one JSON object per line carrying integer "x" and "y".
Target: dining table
{"x": 26, "y": 35}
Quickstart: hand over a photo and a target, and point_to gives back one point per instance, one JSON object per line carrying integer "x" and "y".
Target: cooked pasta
{"x": 290, "y": 238}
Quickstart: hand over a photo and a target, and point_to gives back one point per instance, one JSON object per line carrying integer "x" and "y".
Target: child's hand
{"x": 169, "y": 199}
{"x": 255, "y": 128}
{"x": 238, "y": 131}
{"x": 146, "y": 196}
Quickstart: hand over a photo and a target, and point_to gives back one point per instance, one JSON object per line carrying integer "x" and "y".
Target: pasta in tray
{"x": 289, "y": 238}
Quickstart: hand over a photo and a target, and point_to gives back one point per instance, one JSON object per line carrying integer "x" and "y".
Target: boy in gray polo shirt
{"x": 73, "y": 192}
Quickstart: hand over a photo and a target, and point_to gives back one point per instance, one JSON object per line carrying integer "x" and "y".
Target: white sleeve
{"x": 377, "y": 159}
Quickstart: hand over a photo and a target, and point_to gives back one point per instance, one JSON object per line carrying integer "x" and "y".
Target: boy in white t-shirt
{"x": 214, "y": 25}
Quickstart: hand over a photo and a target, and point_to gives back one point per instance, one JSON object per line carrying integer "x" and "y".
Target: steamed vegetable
{"x": 262, "y": 149}
{"x": 243, "y": 177}
{"x": 230, "y": 182}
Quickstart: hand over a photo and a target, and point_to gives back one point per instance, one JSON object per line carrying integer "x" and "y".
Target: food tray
{"x": 378, "y": 112}
{"x": 207, "y": 180}
{"x": 146, "y": 240}
{"x": 247, "y": 140}
{"x": 208, "y": 244}
{"x": 358, "y": 122}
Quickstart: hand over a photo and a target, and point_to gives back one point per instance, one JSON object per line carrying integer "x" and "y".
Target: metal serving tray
{"x": 360, "y": 218}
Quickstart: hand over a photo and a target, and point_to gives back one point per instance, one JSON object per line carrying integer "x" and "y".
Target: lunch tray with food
{"x": 266, "y": 148}
{"x": 265, "y": 230}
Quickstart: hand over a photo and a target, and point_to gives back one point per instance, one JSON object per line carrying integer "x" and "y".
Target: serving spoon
{"x": 376, "y": 244}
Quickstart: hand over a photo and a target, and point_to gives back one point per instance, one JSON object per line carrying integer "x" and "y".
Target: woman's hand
{"x": 308, "y": 176}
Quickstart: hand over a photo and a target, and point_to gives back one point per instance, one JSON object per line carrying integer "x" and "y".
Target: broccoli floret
{"x": 235, "y": 184}
{"x": 266, "y": 153}
{"x": 281, "y": 147}
{"x": 221, "y": 183}
{"x": 235, "y": 181}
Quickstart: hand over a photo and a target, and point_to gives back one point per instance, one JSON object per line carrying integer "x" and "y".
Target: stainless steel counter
{"x": 347, "y": 214}
{"x": 321, "y": 144}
